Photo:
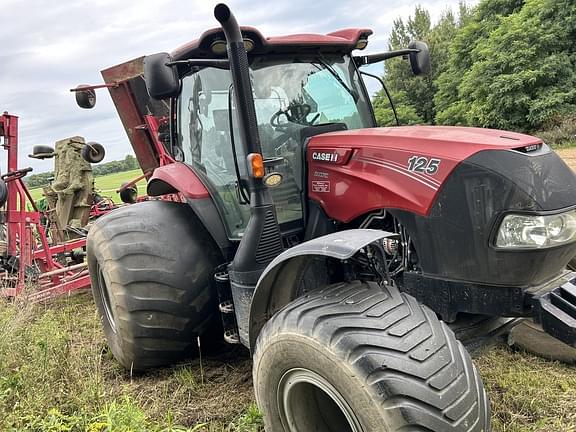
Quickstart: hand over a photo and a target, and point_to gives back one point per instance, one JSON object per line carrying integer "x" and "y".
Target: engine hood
{"x": 456, "y": 143}
{"x": 355, "y": 171}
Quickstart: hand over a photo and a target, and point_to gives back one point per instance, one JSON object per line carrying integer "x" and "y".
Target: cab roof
{"x": 341, "y": 41}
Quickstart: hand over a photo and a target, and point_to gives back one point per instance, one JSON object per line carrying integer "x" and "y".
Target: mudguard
{"x": 278, "y": 283}
{"x": 176, "y": 177}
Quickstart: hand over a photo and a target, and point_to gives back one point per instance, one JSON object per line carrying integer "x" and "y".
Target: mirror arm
{"x": 375, "y": 58}
{"x": 215, "y": 63}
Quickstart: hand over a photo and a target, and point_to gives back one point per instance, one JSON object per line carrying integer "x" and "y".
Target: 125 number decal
{"x": 423, "y": 165}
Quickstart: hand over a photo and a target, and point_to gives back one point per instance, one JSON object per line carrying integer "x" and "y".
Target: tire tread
{"x": 398, "y": 347}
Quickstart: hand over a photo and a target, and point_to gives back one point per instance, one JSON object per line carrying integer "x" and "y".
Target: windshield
{"x": 315, "y": 91}
{"x": 289, "y": 95}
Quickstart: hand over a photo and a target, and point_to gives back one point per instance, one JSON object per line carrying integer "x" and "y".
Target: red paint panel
{"x": 341, "y": 41}
{"x": 131, "y": 118}
{"x": 180, "y": 178}
{"x": 400, "y": 168}
{"x": 346, "y": 37}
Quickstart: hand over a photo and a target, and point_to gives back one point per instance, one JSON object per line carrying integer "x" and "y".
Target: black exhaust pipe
{"x": 261, "y": 241}
{"x": 240, "y": 78}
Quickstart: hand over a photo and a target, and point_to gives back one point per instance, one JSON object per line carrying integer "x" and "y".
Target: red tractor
{"x": 355, "y": 262}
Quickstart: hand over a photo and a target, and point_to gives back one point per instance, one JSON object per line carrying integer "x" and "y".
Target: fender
{"x": 179, "y": 178}
{"x": 176, "y": 177}
{"x": 279, "y": 282}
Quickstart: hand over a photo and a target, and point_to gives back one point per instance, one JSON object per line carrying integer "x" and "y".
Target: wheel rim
{"x": 106, "y": 304}
{"x": 307, "y": 401}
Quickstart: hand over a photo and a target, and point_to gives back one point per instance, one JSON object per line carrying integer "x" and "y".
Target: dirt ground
{"x": 569, "y": 155}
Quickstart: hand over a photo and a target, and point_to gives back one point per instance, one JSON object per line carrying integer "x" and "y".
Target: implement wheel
{"x": 93, "y": 152}
{"x": 356, "y": 357}
{"x": 151, "y": 268}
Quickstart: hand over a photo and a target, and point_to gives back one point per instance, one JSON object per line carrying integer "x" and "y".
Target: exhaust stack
{"x": 261, "y": 241}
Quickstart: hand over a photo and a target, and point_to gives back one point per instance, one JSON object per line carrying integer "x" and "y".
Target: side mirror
{"x": 162, "y": 81}
{"x": 420, "y": 60}
{"x": 42, "y": 152}
{"x": 85, "y": 98}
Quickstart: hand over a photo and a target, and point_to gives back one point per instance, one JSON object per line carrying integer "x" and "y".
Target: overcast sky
{"x": 48, "y": 47}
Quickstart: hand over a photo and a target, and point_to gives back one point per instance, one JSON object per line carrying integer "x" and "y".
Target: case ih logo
{"x": 325, "y": 156}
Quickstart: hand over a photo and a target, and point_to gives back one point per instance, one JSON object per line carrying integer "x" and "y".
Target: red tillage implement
{"x": 28, "y": 255}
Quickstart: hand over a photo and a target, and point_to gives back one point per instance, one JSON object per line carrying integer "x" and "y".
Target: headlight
{"x": 534, "y": 232}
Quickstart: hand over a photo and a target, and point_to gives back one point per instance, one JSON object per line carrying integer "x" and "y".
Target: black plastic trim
{"x": 556, "y": 312}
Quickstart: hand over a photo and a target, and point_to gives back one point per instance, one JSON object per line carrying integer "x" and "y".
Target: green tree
{"x": 414, "y": 96}
{"x": 38, "y": 180}
{"x": 524, "y": 74}
{"x": 475, "y": 26}
{"x": 130, "y": 163}
{"x": 407, "y": 115}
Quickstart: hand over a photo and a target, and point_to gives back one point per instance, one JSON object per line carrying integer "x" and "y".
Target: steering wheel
{"x": 296, "y": 116}
{"x": 295, "y": 113}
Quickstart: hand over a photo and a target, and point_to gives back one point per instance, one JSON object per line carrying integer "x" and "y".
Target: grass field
{"x": 56, "y": 374}
{"x": 107, "y": 185}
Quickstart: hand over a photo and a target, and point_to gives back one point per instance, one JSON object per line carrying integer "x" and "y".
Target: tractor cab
{"x": 302, "y": 86}
{"x": 295, "y": 97}
{"x": 181, "y": 107}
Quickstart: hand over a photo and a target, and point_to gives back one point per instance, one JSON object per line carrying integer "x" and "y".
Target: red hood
{"x": 357, "y": 171}
{"x": 456, "y": 143}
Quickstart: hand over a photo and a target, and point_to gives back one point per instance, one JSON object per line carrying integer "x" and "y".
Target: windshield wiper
{"x": 330, "y": 69}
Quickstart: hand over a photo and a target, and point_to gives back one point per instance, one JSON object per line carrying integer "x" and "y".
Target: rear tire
{"x": 360, "y": 357}
{"x": 151, "y": 268}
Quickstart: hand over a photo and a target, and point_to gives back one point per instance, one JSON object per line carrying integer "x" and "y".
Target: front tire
{"x": 357, "y": 357}
{"x": 151, "y": 267}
